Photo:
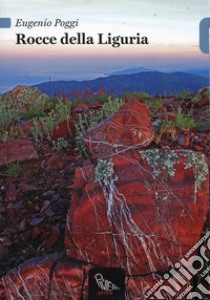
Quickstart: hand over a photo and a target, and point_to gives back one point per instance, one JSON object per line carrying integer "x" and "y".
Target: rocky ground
{"x": 37, "y": 171}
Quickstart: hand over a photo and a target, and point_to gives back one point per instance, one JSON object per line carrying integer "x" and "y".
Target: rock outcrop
{"x": 142, "y": 212}
{"x": 17, "y": 150}
{"x": 127, "y": 129}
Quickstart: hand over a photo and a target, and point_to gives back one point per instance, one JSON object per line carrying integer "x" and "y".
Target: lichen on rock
{"x": 167, "y": 160}
{"x": 200, "y": 167}
{"x": 104, "y": 171}
{"x": 161, "y": 160}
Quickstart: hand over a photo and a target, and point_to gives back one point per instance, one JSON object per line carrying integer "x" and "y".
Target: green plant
{"x": 167, "y": 127}
{"x": 60, "y": 144}
{"x": 81, "y": 145}
{"x": 37, "y": 131}
{"x": 111, "y": 106}
{"x": 62, "y": 111}
{"x": 48, "y": 123}
{"x": 83, "y": 124}
{"x": 183, "y": 121}
{"x": 196, "y": 98}
{"x": 154, "y": 104}
{"x": 183, "y": 95}
{"x": 12, "y": 170}
{"x": 143, "y": 96}
{"x": 4, "y": 136}
{"x": 59, "y": 113}
{"x": 86, "y": 121}
{"x": 8, "y": 115}
{"x": 104, "y": 172}
{"x": 33, "y": 112}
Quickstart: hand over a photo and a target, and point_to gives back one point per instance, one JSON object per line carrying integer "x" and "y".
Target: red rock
{"x": 184, "y": 140}
{"x": 46, "y": 204}
{"x": 198, "y": 148}
{"x": 81, "y": 108}
{"x": 128, "y": 128}
{"x": 49, "y": 212}
{"x": 203, "y": 101}
{"x": 36, "y": 233}
{"x": 2, "y": 291}
{"x": 17, "y": 151}
{"x": 45, "y": 278}
{"x": 26, "y": 127}
{"x": 25, "y": 188}
{"x": 14, "y": 93}
{"x": 54, "y": 236}
{"x": 3, "y": 253}
{"x": 67, "y": 281}
{"x": 64, "y": 130}
{"x": 11, "y": 193}
{"x": 26, "y": 236}
{"x": 170, "y": 115}
{"x": 31, "y": 280}
{"x": 54, "y": 162}
{"x": 145, "y": 220}
{"x": 23, "y": 92}
{"x": 36, "y": 221}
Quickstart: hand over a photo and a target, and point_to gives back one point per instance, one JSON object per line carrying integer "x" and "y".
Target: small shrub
{"x": 183, "y": 95}
{"x": 48, "y": 123}
{"x": 4, "y": 136}
{"x": 81, "y": 145}
{"x": 196, "y": 98}
{"x": 8, "y": 115}
{"x": 33, "y": 112}
{"x": 60, "y": 144}
{"x": 143, "y": 96}
{"x": 185, "y": 122}
{"x": 12, "y": 170}
{"x": 62, "y": 111}
{"x": 37, "y": 131}
{"x": 111, "y": 106}
{"x": 154, "y": 104}
{"x": 168, "y": 127}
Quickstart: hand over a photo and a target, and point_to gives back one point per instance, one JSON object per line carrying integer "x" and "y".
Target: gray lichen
{"x": 167, "y": 160}
{"x": 104, "y": 172}
{"x": 200, "y": 167}
{"x": 161, "y": 160}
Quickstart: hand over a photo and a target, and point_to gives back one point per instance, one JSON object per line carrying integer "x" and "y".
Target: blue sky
{"x": 172, "y": 28}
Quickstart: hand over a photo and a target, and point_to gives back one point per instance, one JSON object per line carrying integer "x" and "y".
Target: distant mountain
{"x": 154, "y": 83}
{"x": 202, "y": 72}
{"x": 131, "y": 71}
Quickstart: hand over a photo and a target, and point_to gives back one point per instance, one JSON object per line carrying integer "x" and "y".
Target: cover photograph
{"x": 104, "y": 150}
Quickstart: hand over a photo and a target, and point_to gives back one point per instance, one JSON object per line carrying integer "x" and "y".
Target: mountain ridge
{"x": 199, "y": 71}
{"x": 154, "y": 83}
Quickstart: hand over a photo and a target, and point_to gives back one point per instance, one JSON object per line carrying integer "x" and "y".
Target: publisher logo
{"x": 176, "y": 284}
{"x": 106, "y": 283}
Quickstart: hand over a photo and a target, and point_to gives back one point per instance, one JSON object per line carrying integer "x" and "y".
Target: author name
{"x": 70, "y": 24}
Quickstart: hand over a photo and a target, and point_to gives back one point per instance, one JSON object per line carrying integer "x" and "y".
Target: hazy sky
{"x": 172, "y": 27}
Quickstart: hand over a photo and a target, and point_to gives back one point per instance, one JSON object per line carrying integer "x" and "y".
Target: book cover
{"x": 104, "y": 150}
